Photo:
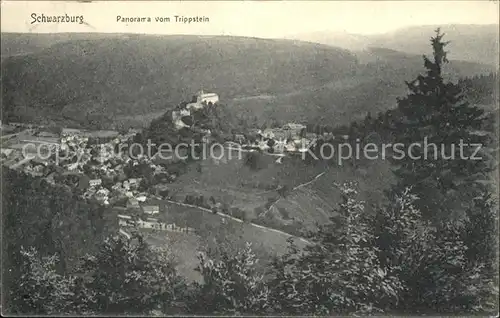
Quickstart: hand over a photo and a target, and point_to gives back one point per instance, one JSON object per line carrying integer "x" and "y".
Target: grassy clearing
{"x": 232, "y": 182}
{"x": 211, "y": 231}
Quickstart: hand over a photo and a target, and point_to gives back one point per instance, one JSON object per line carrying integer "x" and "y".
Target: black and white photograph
{"x": 249, "y": 158}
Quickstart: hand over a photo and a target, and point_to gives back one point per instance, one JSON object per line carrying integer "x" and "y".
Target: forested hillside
{"x": 116, "y": 80}
{"x": 378, "y": 81}
{"x": 50, "y": 218}
{"x": 98, "y": 79}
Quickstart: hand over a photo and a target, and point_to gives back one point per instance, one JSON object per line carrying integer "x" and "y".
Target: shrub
{"x": 339, "y": 273}
{"x": 124, "y": 277}
{"x": 231, "y": 285}
{"x": 431, "y": 261}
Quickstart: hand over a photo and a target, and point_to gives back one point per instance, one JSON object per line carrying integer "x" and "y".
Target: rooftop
{"x": 202, "y": 93}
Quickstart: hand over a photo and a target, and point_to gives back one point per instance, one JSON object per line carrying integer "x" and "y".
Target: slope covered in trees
{"x": 104, "y": 80}
{"x": 392, "y": 262}
{"x": 379, "y": 79}
{"x": 139, "y": 74}
{"x": 49, "y": 218}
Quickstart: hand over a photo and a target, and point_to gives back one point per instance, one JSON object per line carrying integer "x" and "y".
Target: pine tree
{"x": 437, "y": 113}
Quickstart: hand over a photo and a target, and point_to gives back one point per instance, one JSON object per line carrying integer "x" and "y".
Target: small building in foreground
{"x": 151, "y": 209}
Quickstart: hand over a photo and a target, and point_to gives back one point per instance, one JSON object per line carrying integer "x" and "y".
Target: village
{"x": 87, "y": 161}
{"x": 291, "y": 138}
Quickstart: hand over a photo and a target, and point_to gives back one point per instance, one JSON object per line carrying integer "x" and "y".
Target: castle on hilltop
{"x": 201, "y": 99}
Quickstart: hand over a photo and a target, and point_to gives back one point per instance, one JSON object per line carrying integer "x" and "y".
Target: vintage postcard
{"x": 249, "y": 158}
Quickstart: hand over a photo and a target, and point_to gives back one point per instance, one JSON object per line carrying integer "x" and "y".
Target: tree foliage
{"x": 438, "y": 113}
{"x": 231, "y": 285}
{"x": 432, "y": 261}
{"x": 126, "y": 276}
{"x": 49, "y": 218}
{"x": 40, "y": 289}
{"x": 340, "y": 273}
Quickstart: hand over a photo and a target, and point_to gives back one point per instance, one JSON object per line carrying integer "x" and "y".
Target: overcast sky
{"x": 249, "y": 18}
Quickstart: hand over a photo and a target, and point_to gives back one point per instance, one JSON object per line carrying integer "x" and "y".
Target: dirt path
{"x": 309, "y": 182}
{"x": 295, "y": 188}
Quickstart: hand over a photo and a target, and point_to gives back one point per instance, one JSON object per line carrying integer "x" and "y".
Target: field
{"x": 210, "y": 232}
{"x": 183, "y": 249}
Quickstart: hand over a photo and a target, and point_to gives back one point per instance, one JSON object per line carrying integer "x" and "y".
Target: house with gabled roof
{"x": 95, "y": 182}
{"x": 132, "y": 203}
{"x": 151, "y": 209}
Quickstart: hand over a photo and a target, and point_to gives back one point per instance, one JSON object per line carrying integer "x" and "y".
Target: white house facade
{"x": 203, "y": 97}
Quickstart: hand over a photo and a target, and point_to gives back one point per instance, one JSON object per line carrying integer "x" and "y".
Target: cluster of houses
{"x": 101, "y": 170}
{"x": 107, "y": 164}
{"x": 290, "y": 138}
{"x": 27, "y": 148}
{"x": 87, "y": 156}
{"x": 126, "y": 189}
{"x": 151, "y": 223}
{"x": 92, "y": 160}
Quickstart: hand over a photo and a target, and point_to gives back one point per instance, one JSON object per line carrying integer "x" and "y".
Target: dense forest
{"x": 50, "y": 219}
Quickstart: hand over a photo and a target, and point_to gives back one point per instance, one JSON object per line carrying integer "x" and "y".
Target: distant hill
{"x": 14, "y": 44}
{"x": 101, "y": 80}
{"x": 473, "y": 43}
{"x": 139, "y": 74}
{"x": 348, "y": 41}
{"x": 378, "y": 81}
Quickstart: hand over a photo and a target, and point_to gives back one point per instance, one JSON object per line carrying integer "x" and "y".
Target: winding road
{"x": 240, "y": 221}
